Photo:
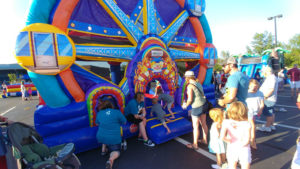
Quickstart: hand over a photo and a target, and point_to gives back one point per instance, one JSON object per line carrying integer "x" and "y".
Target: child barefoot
{"x": 167, "y": 99}
{"x": 236, "y": 132}
{"x": 160, "y": 113}
{"x": 216, "y": 145}
{"x": 255, "y": 103}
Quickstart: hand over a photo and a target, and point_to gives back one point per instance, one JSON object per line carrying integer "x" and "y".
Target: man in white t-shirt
{"x": 269, "y": 89}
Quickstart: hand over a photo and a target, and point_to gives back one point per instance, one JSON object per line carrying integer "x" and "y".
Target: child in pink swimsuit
{"x": 236, "y": 132}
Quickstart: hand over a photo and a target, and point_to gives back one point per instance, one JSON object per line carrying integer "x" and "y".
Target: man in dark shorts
{"x": 135, "y": 113}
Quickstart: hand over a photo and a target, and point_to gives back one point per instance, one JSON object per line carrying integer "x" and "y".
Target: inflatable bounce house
{"x": 15, "y": 89}
{"x": 271, "y": 57}
{"x": 151, "y": 36}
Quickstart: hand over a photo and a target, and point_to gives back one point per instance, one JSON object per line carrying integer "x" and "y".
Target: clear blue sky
{"x": 233, "y": 22}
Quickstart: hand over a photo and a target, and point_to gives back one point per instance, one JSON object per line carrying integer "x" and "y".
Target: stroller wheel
{"x": 71, "y": 163}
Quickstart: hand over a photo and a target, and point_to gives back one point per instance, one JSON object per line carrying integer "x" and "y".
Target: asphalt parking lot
{"x": 275, "y": 150}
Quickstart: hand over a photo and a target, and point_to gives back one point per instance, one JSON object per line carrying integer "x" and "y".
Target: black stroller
{"x": 28, "y": 147}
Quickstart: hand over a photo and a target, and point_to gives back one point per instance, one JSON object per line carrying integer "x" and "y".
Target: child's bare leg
{"x": 103, "y": 147}
{"x": 223, "y": 158}
{"x": 219, "y": 159}
{"x": 252, "y": 140}
{"x": 245, "y": 165}
{"x": 232, "y": 164}
{"x": 165, "y": 125}
{"x": 172, "y": 114}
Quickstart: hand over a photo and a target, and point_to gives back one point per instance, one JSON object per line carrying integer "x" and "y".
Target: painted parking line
{"x": 283, "y": 96}
{"x": 200, "y": 150}
{"x": 279, "y": 105}
{"x": 281, "y": 125}
{"x": 2, "y": 114}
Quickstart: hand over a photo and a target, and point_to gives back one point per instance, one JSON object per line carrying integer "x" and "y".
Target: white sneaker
{"x": 265, "y": 129}
{"x": 282, "y": 109}
{"x": 273, "y": 127}
{"x": 149, "y": 143}
{"x": 215, "y": 166}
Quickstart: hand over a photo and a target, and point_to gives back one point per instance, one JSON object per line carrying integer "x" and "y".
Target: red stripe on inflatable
{"x": 71, "y": 84}
{"x": 63, "y": 13}
{"x": 18, "y": 86}
{"x": 209, "y": 45}
{"x": 181, "y": 3}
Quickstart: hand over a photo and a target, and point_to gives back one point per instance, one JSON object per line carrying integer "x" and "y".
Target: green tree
{"x": 12, "y": 77}
{"x": 218, "y": 65}
{"x": 294, "y": 56}
{"x": 225, "y": 54}
{"x": 260, "y": 43}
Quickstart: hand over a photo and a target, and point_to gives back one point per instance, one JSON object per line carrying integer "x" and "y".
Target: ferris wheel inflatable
{"x": 152, "y": 36}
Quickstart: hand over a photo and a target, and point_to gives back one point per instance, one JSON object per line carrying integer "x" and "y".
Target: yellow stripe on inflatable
{"x": 122, "y": 81}
{"x": 156, "y": 117}
{"x": 107, "y": 9}
{"x": 166, "y": 122}
{"x": 165, "y": 30}
{"x": 19, "y": 89}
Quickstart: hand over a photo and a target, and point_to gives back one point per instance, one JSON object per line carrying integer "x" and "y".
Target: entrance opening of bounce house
{"x": 151, "y": 36}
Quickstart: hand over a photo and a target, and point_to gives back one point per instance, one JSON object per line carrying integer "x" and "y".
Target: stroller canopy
{"x": 17, "y": 132}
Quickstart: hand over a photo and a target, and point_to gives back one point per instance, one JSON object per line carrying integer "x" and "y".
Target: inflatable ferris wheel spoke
{"x": 105, "y": 52}
{"x": 127, "y": 25}
{"x": 149, "y": 18}
{"x": 169, "y": 33}
{"x": 179, "y": 55}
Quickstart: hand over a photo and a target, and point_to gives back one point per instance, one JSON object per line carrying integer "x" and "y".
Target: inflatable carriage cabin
{"x": 271, "y": 57}
{"x": 150, "y": 35}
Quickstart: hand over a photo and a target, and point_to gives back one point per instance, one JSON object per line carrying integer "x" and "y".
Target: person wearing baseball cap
{"x": 236, "y": 85}
{"x": 196, "y": 98}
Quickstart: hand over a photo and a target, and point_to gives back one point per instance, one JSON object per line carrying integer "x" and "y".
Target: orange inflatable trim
{"x": 199, "y": 34}
{"x": 201, "y": 45}
{"x": 72, "y": 85}
{"x": 63, "y": 14}
{"x": 202, "y": 73}
{"x": 181, "y": 3}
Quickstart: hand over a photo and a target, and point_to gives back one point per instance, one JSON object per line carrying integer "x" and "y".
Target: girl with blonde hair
{"x": 236, "y": 132}
{"x": 217, "y": 145}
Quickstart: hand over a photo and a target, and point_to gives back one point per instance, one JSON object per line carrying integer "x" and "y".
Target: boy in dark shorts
{"x": 160, "y": 113}
{"x": 135, "y": 113}
{"x": 167, "y": 99}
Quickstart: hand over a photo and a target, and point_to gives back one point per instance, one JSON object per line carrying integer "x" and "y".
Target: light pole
{"x": 274, "y": 17}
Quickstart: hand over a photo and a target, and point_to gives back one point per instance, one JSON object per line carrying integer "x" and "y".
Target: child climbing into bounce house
{"x": 109, "y": 133}
{"x": 160, "y": 113}
{"x": 217, "y": 145}
{"x": 167, "y": 99}
{"x": 135, "y": 113}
